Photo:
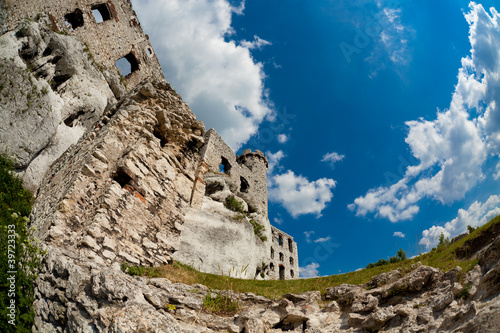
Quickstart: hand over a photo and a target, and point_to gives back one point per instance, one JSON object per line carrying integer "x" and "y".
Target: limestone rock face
{"x": 51, "y": 92}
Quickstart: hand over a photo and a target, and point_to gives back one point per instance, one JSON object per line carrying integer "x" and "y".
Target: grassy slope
{"x": 444, "y": 258}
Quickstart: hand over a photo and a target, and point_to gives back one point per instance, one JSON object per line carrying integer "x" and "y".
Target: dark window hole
{"x": 282, "y": 257}
{"x": 244, "y": 185}
{"x": 127, "y": 65}
{"x": 282, "y": 272}
{"x": 280, "y": 240}
{"x": 290, "y": 245}
{"x": 224, "y": 166}
{"x": 122, "y": 177}
{"x": 74, "y": 19}
{"x": 101, "y": 13}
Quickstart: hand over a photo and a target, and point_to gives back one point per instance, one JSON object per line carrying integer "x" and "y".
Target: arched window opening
{"x": 101, "y": 13}
{"x": 224, "y": 166}
{"x": 280, "y": 240}
{"x": 291, "y": 261}
{"x": 292, "y": 274}
{"x": 282, "y": 257}
{"x": 272, "y": 253}
{"x": 74, "y": 20}
{"x": 282, "y": 272}
{"x": 271, "y": 266}
{"x": 244, "y": 185}
{"x": 290, "y": 245}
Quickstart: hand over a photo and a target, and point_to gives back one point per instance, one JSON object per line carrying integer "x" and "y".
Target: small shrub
{"x": 400, "y": 256}
{"x": 470, "y": 229}
{"x": 20, "y": 252}
{"x": 257, "y": 229}
{"x": 465, "y": 292}
{"x": 221, "y": 304}
{"x": 234, "y": 205}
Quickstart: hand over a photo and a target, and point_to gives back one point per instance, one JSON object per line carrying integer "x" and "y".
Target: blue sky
{"x": 380, "y": 119}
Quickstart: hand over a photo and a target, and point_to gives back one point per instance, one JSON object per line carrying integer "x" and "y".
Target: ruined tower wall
{"x": 118, "y": 35}
{"x": 284, "y": 256}
{"x": 248, "y": 171}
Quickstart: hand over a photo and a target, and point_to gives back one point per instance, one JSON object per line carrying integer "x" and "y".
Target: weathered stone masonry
{"x": 284, "y": 263}
{"x": 118, "y": 36}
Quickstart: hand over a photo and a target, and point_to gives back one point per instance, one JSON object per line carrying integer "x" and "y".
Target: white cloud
{"x": 215, "y": 74}
{"x": 298, "y": 195}
{"x": 453, "y": 148}
{"x": 399, "y": 234}
{"x": 308, "y": 235}
{"x": 257, "y": 43}
{"x": 278, "y": 220}
{"x": 477, "y": 215}
{"x": 309, "y": 271}
{"x": 282, "y": 138}
{"x": 322, "y": 239}
{"x": 392, "y": 38}
{"x": 332, "y": 158}
{"x": 273, "y": 160}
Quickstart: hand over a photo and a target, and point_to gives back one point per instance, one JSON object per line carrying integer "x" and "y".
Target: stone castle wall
{"x": 284, "y": 258}
{"x": 119, "y": 35}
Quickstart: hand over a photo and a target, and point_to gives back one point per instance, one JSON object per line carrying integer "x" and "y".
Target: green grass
{"x": 444, "y": 258}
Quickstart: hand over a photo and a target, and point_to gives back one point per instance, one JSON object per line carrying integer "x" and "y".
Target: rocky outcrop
{"x": 80, "y": 295}
{"x": 51, "y": 92}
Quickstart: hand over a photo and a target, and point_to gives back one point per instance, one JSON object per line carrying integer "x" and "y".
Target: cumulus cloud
{"x": 273, "y": 160}
{"x": 332, "y": 158}
{"x": 399, "y": 234}
{"x": 452, "y": 149}
{"x": 214, "y": 73}
{"x": 298, "y": 195}
{"x": 282, "y": 138}
{"x": 477, "y": 215}
{"x": 322, "y": 239}
{"x": 278, "y": 220}
{"x": 309, "y": 271}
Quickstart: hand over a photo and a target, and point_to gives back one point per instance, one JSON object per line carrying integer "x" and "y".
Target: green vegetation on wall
{"x": 20, "y": 256}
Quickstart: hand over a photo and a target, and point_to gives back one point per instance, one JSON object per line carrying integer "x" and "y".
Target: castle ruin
{"x": 145, "y": 184}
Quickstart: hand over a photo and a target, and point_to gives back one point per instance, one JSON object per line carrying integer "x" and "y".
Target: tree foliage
{"x": 24, "y": 257}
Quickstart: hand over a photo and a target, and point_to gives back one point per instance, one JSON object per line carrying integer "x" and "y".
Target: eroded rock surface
{"x": 51, "y": 92}
{"x": 79, "y": 295}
